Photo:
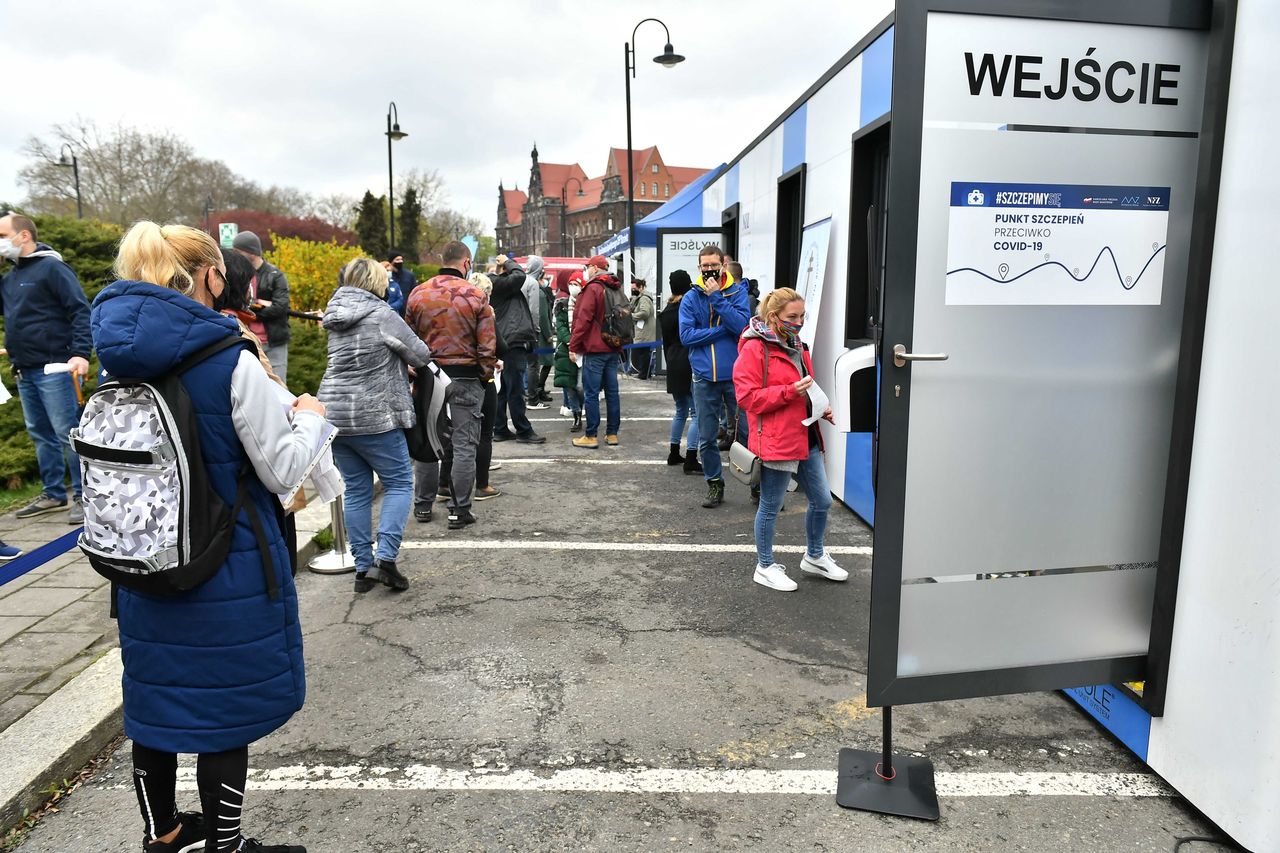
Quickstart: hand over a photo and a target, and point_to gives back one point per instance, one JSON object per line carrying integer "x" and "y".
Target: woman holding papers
{"x": 366, "y": 389}
{"x": 773, "y": 378}
{"x": 211, "y": 670}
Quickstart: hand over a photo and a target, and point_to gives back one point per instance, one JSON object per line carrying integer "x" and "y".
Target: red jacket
{"x": 783, "y": 436}
{"x": 588, "y": 315}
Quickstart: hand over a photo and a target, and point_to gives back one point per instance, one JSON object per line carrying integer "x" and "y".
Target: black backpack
{"x": 617, "y": 325}
{"x": 152, "y": 521}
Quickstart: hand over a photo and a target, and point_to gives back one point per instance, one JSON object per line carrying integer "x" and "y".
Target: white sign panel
{"x": 812, "y": 274}
{"x": 1056, "y": 244}
{"x": 679, "y": 250}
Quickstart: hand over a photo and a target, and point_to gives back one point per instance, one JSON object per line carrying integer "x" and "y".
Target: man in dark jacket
{"x": 518, "y": 332}
{"x": 46, "y": 322}
{"x": 270, "y": 301}
{"x": 600, "y": 361}
{"x": 402, "y": 282}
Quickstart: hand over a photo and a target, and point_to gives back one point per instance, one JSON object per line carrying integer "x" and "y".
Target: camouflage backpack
{"x": 152, "y": 521}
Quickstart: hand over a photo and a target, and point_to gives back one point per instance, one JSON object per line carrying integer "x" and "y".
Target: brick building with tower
{"x": 566, "y": 214}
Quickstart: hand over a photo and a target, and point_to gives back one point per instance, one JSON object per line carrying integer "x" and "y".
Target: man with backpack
{"x": 712, "y": 316}
{"x": 602, "y": 326}
{"x": 518, "y": 331}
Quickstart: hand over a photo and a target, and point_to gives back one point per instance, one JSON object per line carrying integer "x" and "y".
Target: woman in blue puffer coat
{"x": 214, "y": 669}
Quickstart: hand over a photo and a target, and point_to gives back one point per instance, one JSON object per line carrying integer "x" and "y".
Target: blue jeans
{"x": 573, "y": 400}
{"x": 358, "y": 457}
{"x": 600, "y": 369}
{"x": 50, "y": 410}
{"x": 812, "y": 477}
{"x": 712, "y": 399}
{"x": 685, "y": 411}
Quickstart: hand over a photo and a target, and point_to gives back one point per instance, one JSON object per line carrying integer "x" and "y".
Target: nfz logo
{"x": 976, "y": 197}
{"x": 1154, "y": 199}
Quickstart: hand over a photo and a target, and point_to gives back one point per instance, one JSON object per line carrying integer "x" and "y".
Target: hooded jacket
{"x": 775, "y": 412}
{"x": 45, "y": 310}
{"x": 220, "y": 666}
{"x": 271, "y": 285}
{"x": 365, "y": 388}
{"x": 530, "y": 289}
{"x": 511, "y": 308}
{"x": 710, "y": 323}
{"x": 679, "y": 375}
{"x": 588, "y": 316}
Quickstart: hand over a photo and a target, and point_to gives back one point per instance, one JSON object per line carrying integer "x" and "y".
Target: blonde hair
{"x": 482, "y": 281}
{"x": 166, "y": 255}
{"x": 366, "y": 274}
{"x": 774, "y": 301}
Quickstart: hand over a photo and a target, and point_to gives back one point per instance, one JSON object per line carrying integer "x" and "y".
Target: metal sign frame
{"x": 884, "y": 686}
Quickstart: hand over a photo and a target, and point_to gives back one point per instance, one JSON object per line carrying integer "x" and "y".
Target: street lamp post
{"x": 393, "y": 133}
{"x": 668, "y": 59}
{"x": 564, "y": 210}
{"x": 74, "y": 165}
{"x": 208, "y": 210}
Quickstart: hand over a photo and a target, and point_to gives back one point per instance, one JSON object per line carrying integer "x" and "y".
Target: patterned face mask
{"x": 792, "y": 328}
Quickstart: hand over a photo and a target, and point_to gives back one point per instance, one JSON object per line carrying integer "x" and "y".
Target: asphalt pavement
{"x": 590, "y": 667}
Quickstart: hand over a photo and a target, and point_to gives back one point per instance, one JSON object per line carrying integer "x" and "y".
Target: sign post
{"x": 227, "y": 232}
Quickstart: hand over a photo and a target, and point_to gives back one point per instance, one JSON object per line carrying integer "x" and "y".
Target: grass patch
{"x": 324, "y": 539}
{"x": 19, "y": 496}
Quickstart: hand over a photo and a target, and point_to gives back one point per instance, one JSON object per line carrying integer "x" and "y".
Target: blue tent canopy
{"x": 682, "y": 211}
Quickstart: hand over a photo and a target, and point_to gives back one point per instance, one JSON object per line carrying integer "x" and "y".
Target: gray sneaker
{"x": 75, "y": 515}
{"x": 40, "y": 506}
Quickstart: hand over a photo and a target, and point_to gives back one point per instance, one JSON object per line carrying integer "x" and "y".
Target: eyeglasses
{"x": 710, "y": 267}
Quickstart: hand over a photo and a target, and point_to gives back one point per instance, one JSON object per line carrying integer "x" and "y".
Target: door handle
{"x": 901, "y": 356}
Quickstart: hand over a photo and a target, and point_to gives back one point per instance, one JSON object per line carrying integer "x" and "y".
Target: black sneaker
{"x": 253, "y": 845}
{"x": 190, "y": 837}
{"x": 577, "y": 422}
{"x": 535, "y": 403}
{"x": 422, "y": 514}
{"x": 390, "y": 575}
{"x": 531, "y": 438}
{"x": 715, "y": 494}
{"x": 461, "y": 519}
{"x": 544, "y": 396}
{"x": 502, "y": 436}
{"x": 443, "y": 494}
{"x": 364, "y": 583}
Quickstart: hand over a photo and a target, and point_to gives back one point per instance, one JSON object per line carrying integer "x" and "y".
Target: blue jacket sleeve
{"x": 73, "y": 300}
{"x": 734, "y": 309}
{"x": 690, "y": 334}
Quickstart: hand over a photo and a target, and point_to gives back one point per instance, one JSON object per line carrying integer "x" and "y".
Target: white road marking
{"x": 566, "y": 420}
{"x": 583, "y": 459}
{"x": 420, "y": 777}
{"x": 672, "y": 547}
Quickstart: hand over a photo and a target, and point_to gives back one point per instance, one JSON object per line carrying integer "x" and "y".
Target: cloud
{"x": 296, "y": 93}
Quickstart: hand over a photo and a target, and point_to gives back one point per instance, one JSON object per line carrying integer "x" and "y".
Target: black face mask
{"x": 399, "y": 265}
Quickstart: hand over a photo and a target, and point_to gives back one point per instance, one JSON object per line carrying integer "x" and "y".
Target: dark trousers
{"x": 511, "y": 395}
{"x": 220, "y": 778}
{"x": 484, "y": 453}
{"x": 642, "y": 360}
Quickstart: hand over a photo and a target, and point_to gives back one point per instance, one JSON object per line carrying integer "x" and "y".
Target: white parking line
{"x": 585, "y": 460}
{"x": 665, "y": 547}
{"x": 420, "y": 777}
{"x": 565, "y": 419}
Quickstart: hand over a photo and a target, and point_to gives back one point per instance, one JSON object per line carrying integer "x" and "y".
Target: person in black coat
{"x": 679, "y": 376}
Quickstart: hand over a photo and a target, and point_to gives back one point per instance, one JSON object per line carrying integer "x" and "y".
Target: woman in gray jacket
{"x": 366, "y": 393}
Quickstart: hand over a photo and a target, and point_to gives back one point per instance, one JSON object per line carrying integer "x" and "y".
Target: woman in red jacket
{"x": 776, "y": 405}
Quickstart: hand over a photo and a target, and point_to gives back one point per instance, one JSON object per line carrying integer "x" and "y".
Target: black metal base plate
{"x": 911, "y": 793}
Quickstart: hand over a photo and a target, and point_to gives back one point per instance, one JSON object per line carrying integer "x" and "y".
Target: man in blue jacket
{"x": 712, "y": 316}
{"x": 46, "y": 321}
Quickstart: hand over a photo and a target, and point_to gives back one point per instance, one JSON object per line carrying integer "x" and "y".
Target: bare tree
{"x": 336, "y": 209}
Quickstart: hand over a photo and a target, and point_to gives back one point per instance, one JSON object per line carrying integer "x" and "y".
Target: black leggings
{"x": 484, "y": 453}
{"x": 220, "y": 778}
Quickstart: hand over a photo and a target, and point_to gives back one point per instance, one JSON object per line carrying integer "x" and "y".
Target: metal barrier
{"x": 340, "y": 560}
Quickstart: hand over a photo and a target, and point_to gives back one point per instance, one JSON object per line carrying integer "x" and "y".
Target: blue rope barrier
{"x": 646, "y": 345}
{"x": 19, "y": 566}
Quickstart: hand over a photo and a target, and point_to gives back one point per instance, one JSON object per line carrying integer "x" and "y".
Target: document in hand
{"x": 321, "y": 449}
{"x": 819, "y": 402}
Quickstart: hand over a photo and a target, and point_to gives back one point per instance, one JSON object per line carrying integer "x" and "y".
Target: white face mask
{"x": 575, "y": 289}
{"x": 8, "y": 250}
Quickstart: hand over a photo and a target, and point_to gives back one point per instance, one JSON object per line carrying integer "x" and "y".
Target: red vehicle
{"x": 561, "y": 268}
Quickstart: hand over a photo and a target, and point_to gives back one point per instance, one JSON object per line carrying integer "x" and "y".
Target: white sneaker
{"x": 823, "y": 567}
{"x": 565, "y": 411}
{"x": 774, "y": 577}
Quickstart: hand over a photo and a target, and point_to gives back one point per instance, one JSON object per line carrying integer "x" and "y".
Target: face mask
{"x": 793, "y": 328}
{"x": 8, "y": 250}
{"x": 399, "y": 265}
{"x": 575, "y": 289}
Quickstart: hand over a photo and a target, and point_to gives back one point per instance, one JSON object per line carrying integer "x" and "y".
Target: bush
{"x": 312, "y": 269}
{"x": 308, "y": 355}
{"x": 424, "y": 271}
{"x": 270, "y": 227}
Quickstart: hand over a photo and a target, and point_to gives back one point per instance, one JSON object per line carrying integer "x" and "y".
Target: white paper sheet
{"x": 818, "y": 400}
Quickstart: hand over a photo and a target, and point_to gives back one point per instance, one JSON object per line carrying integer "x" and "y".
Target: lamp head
{"x": 396, "y": 133}
{"x": 669, "y": 58}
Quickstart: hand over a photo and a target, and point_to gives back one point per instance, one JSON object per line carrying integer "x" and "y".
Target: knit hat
{"x": 247, "y": 241}
{"x": 680, "y": 282}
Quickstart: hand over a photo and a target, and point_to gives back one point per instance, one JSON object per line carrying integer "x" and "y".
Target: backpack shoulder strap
{"x": 207, "y": 352}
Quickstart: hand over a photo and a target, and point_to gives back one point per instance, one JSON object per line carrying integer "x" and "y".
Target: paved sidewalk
{"x": 55, "y": 619}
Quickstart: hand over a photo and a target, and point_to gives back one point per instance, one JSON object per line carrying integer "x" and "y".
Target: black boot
{"x": 715, "y": 493}
{"x": 691, "y": 463}
{"x": 390, "y": 575}
{"x": 674, "y": 457}
{"x": 577, "y": 422}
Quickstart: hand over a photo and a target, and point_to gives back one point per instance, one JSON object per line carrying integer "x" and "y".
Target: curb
{"x": 54, "y": 740}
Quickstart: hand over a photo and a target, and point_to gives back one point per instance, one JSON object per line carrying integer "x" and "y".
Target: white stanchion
{"x": 340, "y": 560}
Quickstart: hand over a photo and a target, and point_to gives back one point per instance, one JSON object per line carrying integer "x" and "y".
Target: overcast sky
{"x": 295, "y": 92}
